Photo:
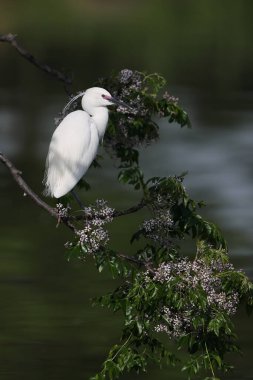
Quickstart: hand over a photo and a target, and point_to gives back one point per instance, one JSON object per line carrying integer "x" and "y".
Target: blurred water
{"x": 49, "y": 329}
{"x": 217, "y": 154}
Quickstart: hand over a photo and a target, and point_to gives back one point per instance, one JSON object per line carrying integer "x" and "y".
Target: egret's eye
{"x": 103, "y": 96}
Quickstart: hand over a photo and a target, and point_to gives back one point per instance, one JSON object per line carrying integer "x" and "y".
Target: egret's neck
{"x": 100, "y": 118}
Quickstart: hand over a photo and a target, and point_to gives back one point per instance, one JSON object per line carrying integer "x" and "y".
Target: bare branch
{"x": 17, "y": 176}
{"x": 11, "y": 39}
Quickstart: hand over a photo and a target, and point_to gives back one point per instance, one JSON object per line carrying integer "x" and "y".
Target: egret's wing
{"x": 72, "y": 149}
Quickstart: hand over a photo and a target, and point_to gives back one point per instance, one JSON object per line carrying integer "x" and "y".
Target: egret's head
{"x": 95, "y": 97}
{"x": 99, "y": 97}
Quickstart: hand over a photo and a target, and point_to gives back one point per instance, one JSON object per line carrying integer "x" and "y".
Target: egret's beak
{"x": 118, "y": 102}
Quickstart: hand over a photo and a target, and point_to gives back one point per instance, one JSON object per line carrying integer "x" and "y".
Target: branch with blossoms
{"x": 169, "y": 301}
{"x": 89, "y": 214}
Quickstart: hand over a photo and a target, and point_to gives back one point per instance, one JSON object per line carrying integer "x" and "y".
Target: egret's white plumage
{"x": 75, "y": 142}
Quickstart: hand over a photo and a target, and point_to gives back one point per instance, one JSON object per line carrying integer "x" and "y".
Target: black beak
{"x": 119, "y": 102}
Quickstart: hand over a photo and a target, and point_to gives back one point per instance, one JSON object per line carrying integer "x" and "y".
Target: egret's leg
{"x": 76, "y": 197}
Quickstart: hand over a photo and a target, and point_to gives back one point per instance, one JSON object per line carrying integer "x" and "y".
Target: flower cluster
{"x": 125, "y": 76}
{"x": 132, "y": 83}
{"x": 181, "y": 323}
{"x": 63, "y": 212}
{"x": 131, "y": 78}
{"x": 204, "y": 278}
{"x": 170, "y": 98}
{"x": 93, "y": 234}
{"x": 158, "y": 228}
{"x": 134, "y": 124}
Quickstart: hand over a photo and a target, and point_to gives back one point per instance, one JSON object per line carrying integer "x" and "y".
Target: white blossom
{"x": 93, "y": 235}
{"x": 194, "y": 274}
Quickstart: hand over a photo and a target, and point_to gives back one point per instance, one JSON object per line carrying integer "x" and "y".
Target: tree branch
{"x": 17, "y": 176}
{"x": 11, "y": 39}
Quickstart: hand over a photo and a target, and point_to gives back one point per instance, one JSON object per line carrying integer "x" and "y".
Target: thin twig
{"x": 121, "y": 347}
{"x": 136, "y": 262}
{"x": 130, "y": 210}
{"x": 131, "y": 259}
{"x": 12, "y": 39}
{"x": 209, "y": 359}
{"x": 116, "y": 213}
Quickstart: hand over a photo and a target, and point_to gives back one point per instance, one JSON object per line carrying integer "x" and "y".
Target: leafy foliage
{"x": 168, "y": 302}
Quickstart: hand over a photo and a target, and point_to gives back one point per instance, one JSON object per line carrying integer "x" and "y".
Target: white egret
{"x": 75, "y": 141}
